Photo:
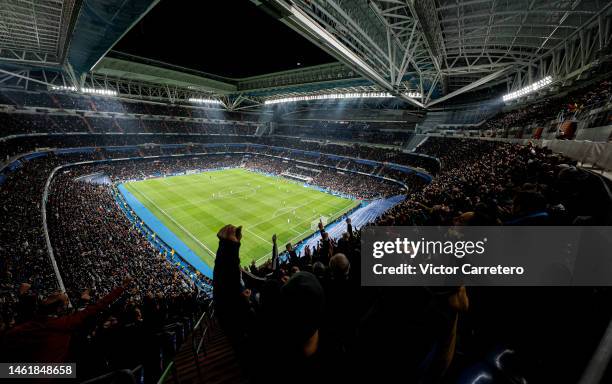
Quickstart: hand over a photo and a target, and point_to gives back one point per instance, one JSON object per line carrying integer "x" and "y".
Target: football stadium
{"x": 306, "y": 191}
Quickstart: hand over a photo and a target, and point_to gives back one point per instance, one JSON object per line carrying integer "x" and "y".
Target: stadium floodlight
{"x": 204, "y": 101}
{"x": 95, "y": 91}
{"x": 414, "y": 95}
{"x": 63, "y": 88}
{"x": 528, "y": 89}
{"x": 330, "y": 96}
{"x": 99, "y": 91}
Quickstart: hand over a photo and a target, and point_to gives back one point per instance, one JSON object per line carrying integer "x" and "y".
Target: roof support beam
{"x": 24, "y": 77}
{"x": 517, "y": 13}
{"x": 469, "y": 87}
{"x": 303, "y": 23}
{"x": 309, "y": 28}
{"x": 569, "y": 56}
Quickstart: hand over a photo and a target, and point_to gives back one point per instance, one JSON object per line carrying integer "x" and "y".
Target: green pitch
{"x": 196, "y": 206}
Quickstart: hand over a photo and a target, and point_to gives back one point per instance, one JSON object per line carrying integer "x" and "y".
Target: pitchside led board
{"x": 486, "y": 256}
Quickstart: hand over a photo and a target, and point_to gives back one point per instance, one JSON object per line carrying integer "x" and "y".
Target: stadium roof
{"x": 35, "y": 31}
{"x": 483, "y": 35}
{"x": 436, "y": 48}
{"x": 56, "y": 33}
{"x": 452, "y": 46}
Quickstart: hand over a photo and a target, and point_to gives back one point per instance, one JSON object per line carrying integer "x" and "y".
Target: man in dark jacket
{"x": 229, "y": 294}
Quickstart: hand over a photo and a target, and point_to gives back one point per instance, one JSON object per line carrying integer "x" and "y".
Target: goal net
{"x": 315, "y": 223}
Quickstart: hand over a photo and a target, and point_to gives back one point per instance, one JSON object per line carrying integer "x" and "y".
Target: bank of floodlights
{"x": 63, "y": 88}
{"x": 528, "y": 89}
{"x": 334, "y": 96}
{"x": 99, "y": 91}
{"x": 93, "y": 91}
{"x": 200, "y": 100}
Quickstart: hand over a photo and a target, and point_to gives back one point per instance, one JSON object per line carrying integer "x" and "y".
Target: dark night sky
{"x": 225, "y": 37}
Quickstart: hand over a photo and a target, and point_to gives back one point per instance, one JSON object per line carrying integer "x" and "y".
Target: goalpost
{"x": 314, "y": 225}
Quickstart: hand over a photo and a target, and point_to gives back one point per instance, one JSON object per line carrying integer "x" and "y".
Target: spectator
{"x": 230, "y": 296}
{"x": 47, "y": 339}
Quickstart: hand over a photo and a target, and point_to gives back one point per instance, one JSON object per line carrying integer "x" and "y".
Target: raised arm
{"x": 349, "y": 228}
{"x": 321, "y": 229}
{"x": 274, "y": 253}
{"x": 76, "y": 319}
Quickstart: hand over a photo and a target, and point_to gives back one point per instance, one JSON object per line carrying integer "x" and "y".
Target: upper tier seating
{"x": 552, "y": 108}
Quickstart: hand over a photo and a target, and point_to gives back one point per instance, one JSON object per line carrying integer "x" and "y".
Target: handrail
{"x": 166, "y": 372}
{"x": 130, "y": 372}
{"x": 599, "y": 361}
{"x": 43, "y": 212}
{"x": 171, "y": 368}
{"x": 200, "y": 320}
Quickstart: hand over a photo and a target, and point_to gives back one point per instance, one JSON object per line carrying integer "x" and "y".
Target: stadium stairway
{"x": 217, "y": 362}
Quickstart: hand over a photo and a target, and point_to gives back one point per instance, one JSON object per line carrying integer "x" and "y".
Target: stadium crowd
{"x": 310, "y": 307}
{"x": 326, "y": 153}
{"x": 29, "y": 123}
{"x": 329, "y": 328}
{"x": 90, "y": 103}
{"x": 565, "y": 107}
{"x": 359, "y": 151}
{"x": 491, "y": 183}
{"x": 94, "y": 243}
{"x": 364, "y": 132}
{"x": 352, "y": 184}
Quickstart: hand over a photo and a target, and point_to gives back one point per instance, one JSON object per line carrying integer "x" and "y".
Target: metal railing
{"x": 199, "y": 336}
{"x": 123, "y": 373}
{"x": 43, "y": 211}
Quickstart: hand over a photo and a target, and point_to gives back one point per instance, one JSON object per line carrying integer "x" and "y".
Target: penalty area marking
{"x": 301, "y": 235}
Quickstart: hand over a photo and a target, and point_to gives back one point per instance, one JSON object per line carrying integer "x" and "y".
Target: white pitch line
{"x": 261, "y": 238}
{"x": 301, "y": 235}
{"x": 239, "y": 194}
{"x": 274, "y": 216}
{"x": 179, "y": 225}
